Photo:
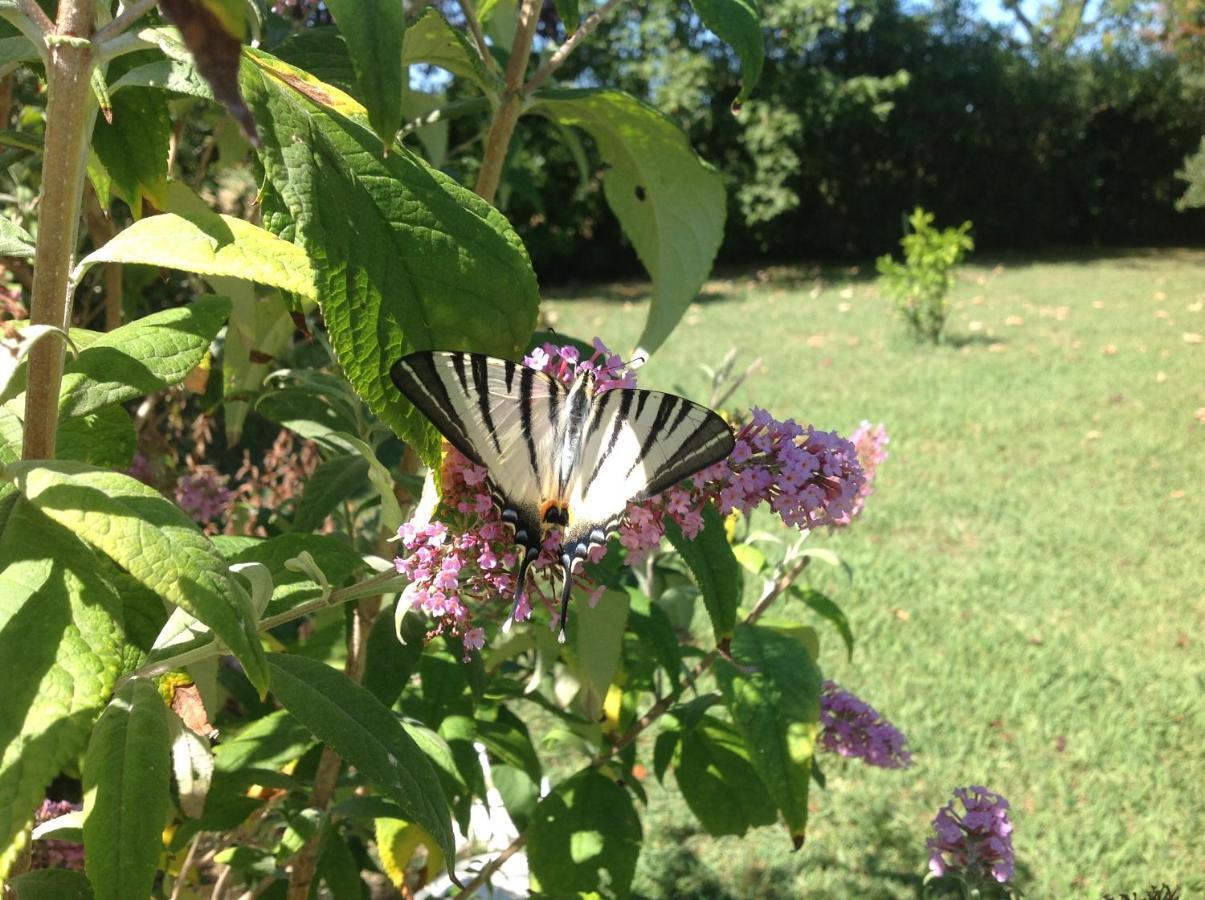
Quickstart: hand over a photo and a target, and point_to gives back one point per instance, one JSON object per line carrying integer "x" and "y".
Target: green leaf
{"x": 338, "y": 562}
{"x": 134, "y": 148}
{"x": 570, "y": 14}
{"x": 127, "y": 794}
{"x": 738, "y": 24}
{"x": 260, "y": 329}
{"x": 322, "y": 52}
{"x": 154, "y": 541}
{"x": 51, "y": 884}
{"x": 718, "y": 780}
{"x": 405, "y": 257}
{"x": 584, "y": 836}
{"x": 434, "y": 137}
{"x": 211, "y": 245}
{"x": 650, "y": 623}
{"x": 332, "y": 483}
{"x": 177, "y": 76}
{"x": 268, "y": 743}
{"x": 772, "y": 689}
{"x": 507, "y": 739}
{"x": 374, "y": 30}
{"x": 714, "y": 567}
{"x": 430, "y": 40}
{"x": 378, "y": 476}
{"x": 830, "y": 612}
{"x": 596, "y": 636}
{"x": 141, "y": 357}
{"x": 60, "y": 650}
{"x": 355, "y": 724}
{"x": 389, "y": 663}
{"x": 670, "y": 203}
{"x": 337, "y": 866}
{"x": 15, "y": 240}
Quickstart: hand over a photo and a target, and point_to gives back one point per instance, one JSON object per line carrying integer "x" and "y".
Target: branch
{"x": 70, "y": 114}
{"x": 129, "y": 15}
{"x": 35, "y": 14}
{"x": 562, "y": 52}
{"x": 470, "y": 19}
{"x": 470, "y": 887}
{"x": 497, "y": 142}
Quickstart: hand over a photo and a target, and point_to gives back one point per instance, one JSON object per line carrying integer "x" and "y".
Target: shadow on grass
{"x": 958, "y": 341}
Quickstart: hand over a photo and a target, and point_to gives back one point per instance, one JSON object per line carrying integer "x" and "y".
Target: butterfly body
{"x": 560, "y": 456}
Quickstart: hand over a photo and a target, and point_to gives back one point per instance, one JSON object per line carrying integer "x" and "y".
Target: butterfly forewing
{"x": 637, "y": 444}
{"x": 499, "y": 414}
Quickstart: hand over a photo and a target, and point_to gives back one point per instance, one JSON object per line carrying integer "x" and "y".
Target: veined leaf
{"x": 718, "y": 781}
{"x": 153, "y": 540}
{"x": 322, "y": 53}
{"x": 374, "y": 30}
{"x": 51, "y": 884}
{"x": 714, "y": 566}
{"x": 142, "y": 356}
{"x": 60, "y": 651}
{"x": 586, "y": 827}
{"x": 405, "y": 258}
{"x": 430, "y": 40}
{"x": 335, "y": 481}
{"x": 773, "y": 693}
{"x": 15, "y": 240}
{"x": 738, "y": 24}
{"x": 669, "y": 202}
{"x": 133, "y": 148}
{"x": 267, "y": 743}
{"x": 355, "y": 724}
{"x": 126, "y": 792}
{"x": 211, "y": 245}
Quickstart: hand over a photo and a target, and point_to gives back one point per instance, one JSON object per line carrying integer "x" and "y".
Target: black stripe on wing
{"x": 709, "y": 442}
{"x": 418, "y": 378}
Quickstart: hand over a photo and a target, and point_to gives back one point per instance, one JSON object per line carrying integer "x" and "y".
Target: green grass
{"x": 1028, "y": 578}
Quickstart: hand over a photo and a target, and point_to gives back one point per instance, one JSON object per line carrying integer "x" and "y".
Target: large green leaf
{"x": 366, "y": 734}
{"x": 127, "y": 794}
{"x": 154, "y": 541}
{"x": 51, "y": 884}
{"x": 718, "y": 780}
{"x": 586, "y": 827}
{"x": 104, "y": 438}
{"x": 141, "y": 357}
{"x": 210, "y": 245}
{"x": 596, "y": 636}
{"x": 260, "y": 329}
{"x": 60, "y": 650}
{"x": 828, "y": 610}
{"x": 738, "y": 24}
{"x": 137, "y": 358}
{"x": 405, "y": 257}
{"x": 432, "y": 41}
{"x": 267, "y": 743}
{"x": 772, "y": 688}
{"x": 714, "y": 566}
{"x": 337, "y": 480}
{"x": 374, "y": 30}
{"x": 133, "y": 148}
{"x": 669, "y": 202}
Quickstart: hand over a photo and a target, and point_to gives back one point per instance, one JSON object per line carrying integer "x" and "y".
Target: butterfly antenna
{"x": 520, "y": 586}
{"x": 566, "y": 590}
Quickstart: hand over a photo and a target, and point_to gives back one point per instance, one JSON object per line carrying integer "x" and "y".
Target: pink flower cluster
{"x": 852, "y": 727}
{"x": 202, "y": 493}
{"x": 809, "y": 478}
{"x": 870, "y": 442}
{"x": 977, "y": 843}
{"x": 52, "y": 854}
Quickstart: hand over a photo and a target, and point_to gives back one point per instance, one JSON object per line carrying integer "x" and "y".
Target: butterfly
{"x": 560, "y": 456}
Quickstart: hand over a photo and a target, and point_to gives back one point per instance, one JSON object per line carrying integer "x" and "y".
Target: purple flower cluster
{"x": 810, "y": 478}
{"x": 202, "y": 493}
{"x": 852, "y": 727}
{"x": 52, "y": 854}
{"x": 977, "y": 843}
{"x": 870, "y": 443}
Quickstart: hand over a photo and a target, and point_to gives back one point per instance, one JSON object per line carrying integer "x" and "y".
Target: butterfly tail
{"x": 521, "y": 585}
{"x": 566, "y": 590}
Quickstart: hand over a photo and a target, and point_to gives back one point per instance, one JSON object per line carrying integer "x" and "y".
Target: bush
{"x": 919, "y": 285}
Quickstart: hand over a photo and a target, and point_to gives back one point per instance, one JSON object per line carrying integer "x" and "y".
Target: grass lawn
{"x": 1029, "y": 575}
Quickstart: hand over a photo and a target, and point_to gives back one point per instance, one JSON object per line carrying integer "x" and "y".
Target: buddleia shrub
{"x": 920, "y": 285}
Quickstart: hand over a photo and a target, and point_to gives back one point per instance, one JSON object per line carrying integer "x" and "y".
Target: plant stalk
{"x": 562, "y": 52}
{"x": 70, "y": 113}
{"x": 497, "y": 141}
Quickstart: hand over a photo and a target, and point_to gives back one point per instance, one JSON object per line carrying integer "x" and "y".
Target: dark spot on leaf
{"x": 216, "y": 54}
{"x": 640, "y": 192}
{"x": 259, "y": 357}
{"x": 736, "y": 107}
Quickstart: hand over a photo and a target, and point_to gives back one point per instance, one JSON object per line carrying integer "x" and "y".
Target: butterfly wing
{"x": 502, "y": 416}
{"x": 636, "y": 444}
